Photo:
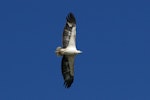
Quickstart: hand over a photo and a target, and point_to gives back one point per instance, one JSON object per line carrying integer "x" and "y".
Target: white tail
{"x": 58, "y": 51}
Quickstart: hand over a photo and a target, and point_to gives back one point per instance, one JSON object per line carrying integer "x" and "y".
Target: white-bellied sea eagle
{"x": 68, "y": 50}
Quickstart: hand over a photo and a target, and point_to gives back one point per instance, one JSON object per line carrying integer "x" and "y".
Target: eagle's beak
{"x": 80, "y": 52}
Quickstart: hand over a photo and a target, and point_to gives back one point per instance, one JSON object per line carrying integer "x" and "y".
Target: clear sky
{"x": 114, "y": 36}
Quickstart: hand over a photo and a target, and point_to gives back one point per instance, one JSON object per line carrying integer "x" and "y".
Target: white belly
{"x": 70, "y": 52}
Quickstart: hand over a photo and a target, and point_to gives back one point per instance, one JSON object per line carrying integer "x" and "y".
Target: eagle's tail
{"x": 58, "y": 51}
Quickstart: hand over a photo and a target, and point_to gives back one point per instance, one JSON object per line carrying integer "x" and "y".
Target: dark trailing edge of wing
{"x": 68, "y": 78}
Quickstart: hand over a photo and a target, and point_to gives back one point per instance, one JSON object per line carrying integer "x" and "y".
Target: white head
{"x": 78, "y": 51}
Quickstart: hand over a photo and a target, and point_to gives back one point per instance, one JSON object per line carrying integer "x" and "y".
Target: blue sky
{"x": 114, "y": 36}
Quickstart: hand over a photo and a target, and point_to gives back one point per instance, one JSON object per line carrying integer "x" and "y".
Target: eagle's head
{"x": 78, "y": 51}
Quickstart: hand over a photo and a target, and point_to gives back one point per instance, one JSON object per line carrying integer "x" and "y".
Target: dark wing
{"x": 68, "y": 70}
{"x": 70, "y": 23}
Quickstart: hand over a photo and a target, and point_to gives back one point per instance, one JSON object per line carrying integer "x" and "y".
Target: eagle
{"x": 68, "y": 51}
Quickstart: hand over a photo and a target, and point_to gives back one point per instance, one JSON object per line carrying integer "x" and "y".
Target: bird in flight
{"x": 68, "y": 51}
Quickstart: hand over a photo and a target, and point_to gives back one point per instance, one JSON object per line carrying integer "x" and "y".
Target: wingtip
{"x": 70, "y": 14}
{"x": 68, "y": 83}
{"x": 71, "y": 18}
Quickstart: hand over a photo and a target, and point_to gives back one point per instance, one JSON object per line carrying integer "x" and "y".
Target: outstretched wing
{"x": 68, "y": 70}
{"x": 69, "y": 33}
